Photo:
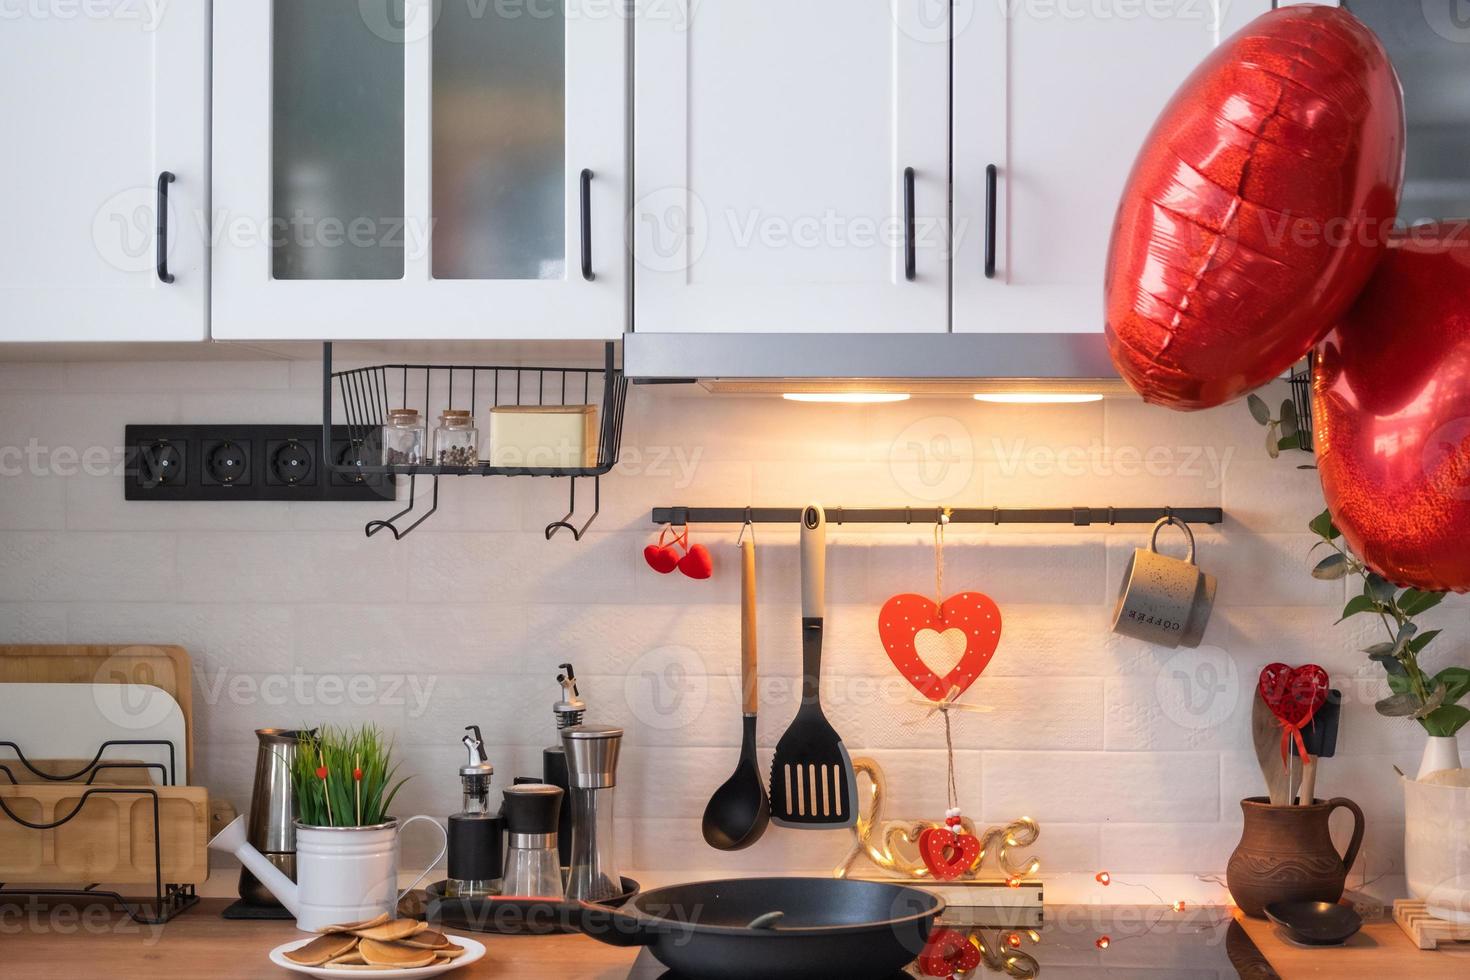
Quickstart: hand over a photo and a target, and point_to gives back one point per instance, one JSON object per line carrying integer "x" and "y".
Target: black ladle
{"x": 738, "y": 813}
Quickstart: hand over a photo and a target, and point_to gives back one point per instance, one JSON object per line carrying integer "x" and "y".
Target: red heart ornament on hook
{"x": 664, "y": 558}
{"x": 697, "y": 563}
{"x": 905, "y": 617}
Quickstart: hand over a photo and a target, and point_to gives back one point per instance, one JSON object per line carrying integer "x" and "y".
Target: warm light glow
{"x": 1178, "y": 906}
{"x": 1040, "y": 397}
{"x": 1033, "y": 935}
{"x": 1014, "y": 882}
{"x": 1103, "y": 878}
{"x": 1013, "y": 940}
{"x": 846, "y": 397}
{"x": 1103, "y": 942}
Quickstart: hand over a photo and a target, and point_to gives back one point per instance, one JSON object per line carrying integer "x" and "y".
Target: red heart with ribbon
{"x": 947, "y": 854}
{"x": 1294, "y": 694}
{"x": 948, "y": 952}
{"x": 664, "y": 558}
{"x": 697, "y": 563}
{"x": 904, "y": 617}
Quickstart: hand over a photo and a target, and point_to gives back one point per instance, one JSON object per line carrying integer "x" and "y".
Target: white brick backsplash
{"x": 79, "y": 566}
{"x": 1091, "y": 787}
{"x": 219, "y": 636}
{"x": 1132, "y": 756}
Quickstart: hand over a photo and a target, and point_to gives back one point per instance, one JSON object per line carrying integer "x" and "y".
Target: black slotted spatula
{"x": 813, "y": 786}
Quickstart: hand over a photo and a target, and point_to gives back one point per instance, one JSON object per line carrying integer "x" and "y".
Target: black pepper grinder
{"x": 569, "y": 712}
{"x": 476, "y": 837}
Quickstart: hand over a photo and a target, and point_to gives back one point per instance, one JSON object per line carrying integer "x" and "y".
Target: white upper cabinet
{"x": 1053, "y": 99}
{"x": 416, "y": 169}
{"x": 100, "y": 101}
{"x": 791, "y": 166}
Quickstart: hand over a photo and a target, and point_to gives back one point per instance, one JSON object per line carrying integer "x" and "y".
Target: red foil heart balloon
{"x": 1257, "y": 208}
{"x": 697, "y": 562}
{"x": 1391, "y": 414}
{"x": 973, "y": 613}
{"x": 946, "y": 854}
{"x": 947, "y": 953}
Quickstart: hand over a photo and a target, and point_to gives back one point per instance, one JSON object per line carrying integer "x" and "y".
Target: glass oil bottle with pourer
{"x": 476, "y": 837}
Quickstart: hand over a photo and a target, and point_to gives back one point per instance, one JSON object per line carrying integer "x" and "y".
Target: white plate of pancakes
{"x": 400, "y": 949}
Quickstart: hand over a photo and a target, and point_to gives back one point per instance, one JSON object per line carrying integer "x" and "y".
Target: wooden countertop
{"x": 66, "y": 942}
{"x": 1379, "y": 950}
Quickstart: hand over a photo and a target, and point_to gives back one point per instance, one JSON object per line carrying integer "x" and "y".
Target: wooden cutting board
{"x": 74, "y": 721}
{"x": 165, "y": 667}
{"x": 110, "y": 840}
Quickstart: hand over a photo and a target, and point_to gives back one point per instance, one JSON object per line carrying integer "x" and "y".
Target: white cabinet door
{"x": 99, "y": 100}
{"x": 774, "y": 145}
{"x": 1057, "y": 96}
{"x": 408, "y": 169}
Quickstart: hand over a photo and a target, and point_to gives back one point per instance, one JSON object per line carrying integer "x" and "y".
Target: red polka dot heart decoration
{"x": 961, "y": 633}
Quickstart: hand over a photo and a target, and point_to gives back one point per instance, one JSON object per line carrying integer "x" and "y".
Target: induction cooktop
{"x": 1086, "y": 941}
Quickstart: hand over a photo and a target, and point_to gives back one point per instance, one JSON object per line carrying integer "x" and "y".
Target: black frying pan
{"x": 772, "y": 927}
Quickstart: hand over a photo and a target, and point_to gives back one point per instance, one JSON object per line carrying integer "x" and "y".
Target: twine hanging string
{"x": 954, "y": 792}
{"x": 939, "y": 527}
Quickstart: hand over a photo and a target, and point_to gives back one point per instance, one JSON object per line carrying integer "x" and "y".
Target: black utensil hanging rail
{"x": 1075, "y": 516}
{"x": 362, "y": 397}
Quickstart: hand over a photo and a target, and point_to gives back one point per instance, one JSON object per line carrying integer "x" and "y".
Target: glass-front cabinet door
{"x": 419, "y": 169}
{"x": 1429, "y": 44}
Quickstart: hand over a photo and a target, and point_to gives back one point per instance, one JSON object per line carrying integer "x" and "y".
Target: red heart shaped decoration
{"x": 1293, "y": 694}
{"x": 661, "y": 558}
{"x": 948, "y": 952}
{"x": 697, "y": 562}
{"x": 947, "y": 854}
{"x": 973, "y": 613}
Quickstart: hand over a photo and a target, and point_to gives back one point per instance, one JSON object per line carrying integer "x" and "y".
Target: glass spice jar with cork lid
{"x": 403, "y": 438}
{"x": 456, "y": 440}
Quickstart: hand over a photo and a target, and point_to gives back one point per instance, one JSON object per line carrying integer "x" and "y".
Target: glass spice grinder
{"x": 592, "y": 767}
{"x": 532, "y": 868}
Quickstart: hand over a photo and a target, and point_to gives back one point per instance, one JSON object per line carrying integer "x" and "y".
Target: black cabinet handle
{"x": 587, "y": 226}
{"x": 910, "y": 245}
{"x": 990, "y": 174}
{"x": 164, "y": 179}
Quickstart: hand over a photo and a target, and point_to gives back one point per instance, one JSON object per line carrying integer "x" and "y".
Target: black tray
{"x": 508, "y": 916}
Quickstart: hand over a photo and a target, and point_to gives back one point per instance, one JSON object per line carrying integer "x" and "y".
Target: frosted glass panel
{"x": 1429, "y": 43}
{"x": 337, "y": 126}
{"x": 499, "y": 141}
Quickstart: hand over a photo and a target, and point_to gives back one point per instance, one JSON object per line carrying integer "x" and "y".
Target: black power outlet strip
{"x": 250, "y": 462}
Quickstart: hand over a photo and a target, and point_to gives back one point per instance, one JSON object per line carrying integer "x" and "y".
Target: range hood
{"x": 938, "y": 364}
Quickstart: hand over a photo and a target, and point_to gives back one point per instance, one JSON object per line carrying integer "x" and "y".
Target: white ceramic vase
{"x": 1439, "y": 753}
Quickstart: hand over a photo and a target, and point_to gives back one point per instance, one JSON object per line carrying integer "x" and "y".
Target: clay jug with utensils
{"x": 1286, "y": 854}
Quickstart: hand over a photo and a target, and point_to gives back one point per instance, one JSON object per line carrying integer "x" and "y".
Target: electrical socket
{"x": 160, "y": 463}
{"x": 290, "y": 462}
{"x": 249, "y": 462}
{"x": 225, "y": 463}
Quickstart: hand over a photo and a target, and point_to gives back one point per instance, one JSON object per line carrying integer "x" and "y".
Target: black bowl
{"x": 1315, "y": 923}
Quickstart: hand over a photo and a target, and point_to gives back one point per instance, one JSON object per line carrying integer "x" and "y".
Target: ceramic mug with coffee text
{"x": 1164, "y": 600}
